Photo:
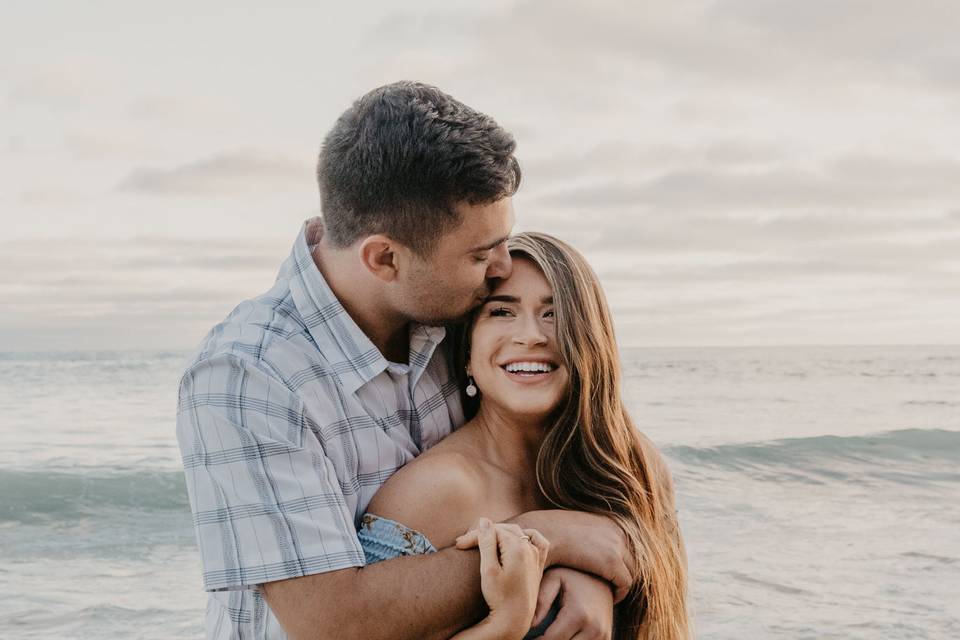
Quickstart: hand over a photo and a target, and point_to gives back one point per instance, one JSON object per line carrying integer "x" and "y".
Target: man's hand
{"x": 585, "y": 541}
{"x": 586, "y": 605}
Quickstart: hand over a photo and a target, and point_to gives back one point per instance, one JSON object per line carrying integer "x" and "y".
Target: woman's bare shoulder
{"x": 437, "y": 494}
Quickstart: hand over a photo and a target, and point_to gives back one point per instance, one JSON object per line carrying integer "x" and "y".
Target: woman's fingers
{"x": 513, "y": 534}
{"x": 487, "y": 542}
{"x": 511, "y": 566}
{"x": 510, "y": 543}
{"x": 538, "y": 540}
{"x": 468, "y": 540}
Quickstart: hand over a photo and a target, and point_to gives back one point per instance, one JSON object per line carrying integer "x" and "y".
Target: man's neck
{"x": 356, "y": 291}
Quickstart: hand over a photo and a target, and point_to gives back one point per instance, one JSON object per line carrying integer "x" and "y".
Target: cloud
{"x": 91, "y": 277}
{"x": 660, "y": 233}
{"x": 141, "y": 292}
{"x": 95, "y": 144}
{"x": 51, "y": 196}
{"x": 914, "y": 271}
{"x": 881, "y": 40}
{"x": 857, "y": 183}
{"x": 61, "y": 85}
{"x": 745, "y": 42}
{"x": 177, "y": 110}
{"x": 227, "y": 173}
{"x": 627, "y": 159}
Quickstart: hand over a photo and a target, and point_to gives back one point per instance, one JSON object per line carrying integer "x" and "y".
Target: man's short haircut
{"x": 399, "y": 159}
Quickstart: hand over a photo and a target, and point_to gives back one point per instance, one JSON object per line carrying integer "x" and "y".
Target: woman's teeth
{"x": 529, "y": 367}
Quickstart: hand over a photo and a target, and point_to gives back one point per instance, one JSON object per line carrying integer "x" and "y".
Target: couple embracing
{"x": 418, "y": 431}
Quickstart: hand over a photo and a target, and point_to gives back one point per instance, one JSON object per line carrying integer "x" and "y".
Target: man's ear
{"x": 378, "y": 253}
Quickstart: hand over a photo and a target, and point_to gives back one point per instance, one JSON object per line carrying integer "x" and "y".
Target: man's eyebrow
{"x": 493, "y": 244}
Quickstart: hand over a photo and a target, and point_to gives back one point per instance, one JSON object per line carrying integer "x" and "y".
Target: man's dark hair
{"x": 399, "y": 159}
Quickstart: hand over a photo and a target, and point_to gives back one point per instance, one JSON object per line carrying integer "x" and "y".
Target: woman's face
{"x": 513, "y": 353}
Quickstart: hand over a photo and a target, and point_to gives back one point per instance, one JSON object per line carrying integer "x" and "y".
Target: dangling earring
{"x": 471, "y": 387}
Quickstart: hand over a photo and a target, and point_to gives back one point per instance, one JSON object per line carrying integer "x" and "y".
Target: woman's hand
{"x": 511, "y": 565}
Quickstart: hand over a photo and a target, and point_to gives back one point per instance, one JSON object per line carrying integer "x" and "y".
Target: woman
{"x": 548, "y": 430}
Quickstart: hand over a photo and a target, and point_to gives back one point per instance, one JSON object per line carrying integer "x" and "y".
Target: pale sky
{"x": 744, "y": 172}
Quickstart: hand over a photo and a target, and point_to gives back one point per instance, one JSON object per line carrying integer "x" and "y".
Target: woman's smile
{"x": 529, "y": 371}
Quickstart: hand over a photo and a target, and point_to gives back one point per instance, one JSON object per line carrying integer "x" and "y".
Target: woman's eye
{"x": 500, "y": 311}
{"x": 549, "y": 314}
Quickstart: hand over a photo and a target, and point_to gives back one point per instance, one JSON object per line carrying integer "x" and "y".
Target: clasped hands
{"x": 520, "y": 588}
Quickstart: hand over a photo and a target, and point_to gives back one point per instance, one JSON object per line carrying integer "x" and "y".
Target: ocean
{"x": 818, "y": 488}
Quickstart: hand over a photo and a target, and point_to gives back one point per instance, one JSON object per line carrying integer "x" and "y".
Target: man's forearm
{"x": 428, "y": 596}
{"x": 432, "y": 596}
{"x": 435, "y": 595}
{"x": 590, "y": 543}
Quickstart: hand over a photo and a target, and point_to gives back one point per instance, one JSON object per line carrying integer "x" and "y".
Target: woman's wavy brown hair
{"x": 593, "y": 458}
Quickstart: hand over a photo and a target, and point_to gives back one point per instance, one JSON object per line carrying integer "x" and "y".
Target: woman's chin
{"x": 527, "y": 412}
{"x": 529, "y": 400}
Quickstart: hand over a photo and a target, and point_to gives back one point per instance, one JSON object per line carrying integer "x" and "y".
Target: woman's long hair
{"x": 594, "y": 459}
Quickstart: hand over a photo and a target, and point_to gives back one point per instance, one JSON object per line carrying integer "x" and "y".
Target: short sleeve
{"x": 266, "y": 501}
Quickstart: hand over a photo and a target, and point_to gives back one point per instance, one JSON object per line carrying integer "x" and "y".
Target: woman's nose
{"x": 530, "y": 332}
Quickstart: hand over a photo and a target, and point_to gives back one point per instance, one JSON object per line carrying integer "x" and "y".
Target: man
{"x": 304, "y": 400}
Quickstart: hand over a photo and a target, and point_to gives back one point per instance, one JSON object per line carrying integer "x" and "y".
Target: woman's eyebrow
{"x": 515, "y": 299}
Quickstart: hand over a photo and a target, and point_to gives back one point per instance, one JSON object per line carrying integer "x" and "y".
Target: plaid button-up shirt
{"x": 289, "y": 420}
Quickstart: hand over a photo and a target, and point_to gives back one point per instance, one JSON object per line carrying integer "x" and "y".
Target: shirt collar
{"x": 350, "y": 353}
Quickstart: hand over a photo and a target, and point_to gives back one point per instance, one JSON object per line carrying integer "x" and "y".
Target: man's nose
{"x": 500, "y": 263}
